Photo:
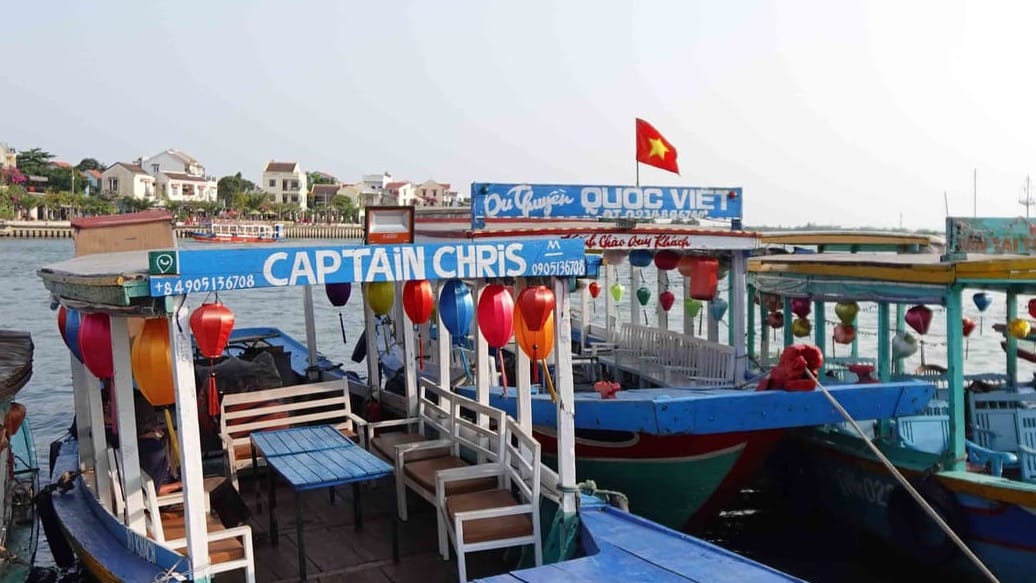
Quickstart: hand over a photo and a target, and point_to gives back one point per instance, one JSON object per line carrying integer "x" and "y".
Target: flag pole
{"x": 638, "y": 173}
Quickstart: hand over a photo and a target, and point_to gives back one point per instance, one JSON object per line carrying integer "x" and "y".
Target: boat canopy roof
{"x": 857, "y": 241}
{"x": 888, "y": 277}
{"x": 138, "y": 282}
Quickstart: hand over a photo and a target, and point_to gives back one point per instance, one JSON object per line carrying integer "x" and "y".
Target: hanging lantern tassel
{"x": 175, "y": 463}
{"x": 213, "y": 395}
{"x": 535, "y": 365}
{"x": 503, "y": 371}
{"x": 341, "y": 322}
{"x": 549, "y": 382}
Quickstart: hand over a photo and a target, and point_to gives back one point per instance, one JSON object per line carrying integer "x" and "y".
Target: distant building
{"x": 323, "y": 194}
{"x": 8, "y": 157}
{"x": 399, "y": 193}
{"x": 180, "y": 177}
{"x": 286, "y": 182}
{"x": 432, "y": 193}
{"x": 127, "y": 180}
{"x": 93, "y": 180}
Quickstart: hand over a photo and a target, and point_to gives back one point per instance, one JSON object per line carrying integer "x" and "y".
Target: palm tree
{"x": 346, "y": 208}
{"x": 132, "y": 204}
{"x": 249, "y": 203}
{"x": 176, "y": 207}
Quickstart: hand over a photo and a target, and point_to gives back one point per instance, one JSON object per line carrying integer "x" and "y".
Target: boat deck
{"x": 336, "y": 552}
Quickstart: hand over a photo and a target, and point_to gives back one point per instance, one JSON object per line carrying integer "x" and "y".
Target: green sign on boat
{"x": 163, "y": 263}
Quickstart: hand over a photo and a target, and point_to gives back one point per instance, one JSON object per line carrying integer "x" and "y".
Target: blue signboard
{"x": 203, "y": 270}
{"x": 551, "y": 201}
{"x": 991, "y": 236}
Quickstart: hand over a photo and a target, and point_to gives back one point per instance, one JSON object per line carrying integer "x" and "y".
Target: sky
{"x": 855, "y": 113}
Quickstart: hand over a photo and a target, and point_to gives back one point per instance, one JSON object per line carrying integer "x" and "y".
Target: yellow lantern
{"x": 152, "y": 362}
{"x": 380, "y": 296}
{"x": 1019, "y": 328}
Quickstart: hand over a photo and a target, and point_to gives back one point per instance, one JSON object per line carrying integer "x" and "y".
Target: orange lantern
{"x": 536, "y": 344}
{"x": 685, "y": 265}
{"x": 152, "y": 362}
{"x": 536, "y": 303}
{"x": 211, "y": 325}
{"x": 704, "y": 278}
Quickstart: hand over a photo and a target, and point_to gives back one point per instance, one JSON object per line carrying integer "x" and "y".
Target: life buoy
{"x": 915, "y": 532}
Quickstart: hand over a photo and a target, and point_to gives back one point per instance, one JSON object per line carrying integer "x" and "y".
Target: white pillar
{"x": 611, "y": 321}
{"x": 122, "y": 389}
{"x": 95, "y": 455}
{"x": 409, "y": 358}
{"x": 565, "y": 385}
{"x": 483, "y": 379}
{"x": 688, "y": 320}
{"x": 662, "y": 315}
{"x": 738, "y": 269}
{"x": 523, "y": 376}
{"x": 713, "y": 324}
{"x": 373, "y": 360}
{"x": 443, "y": 346}
{"x": 632, "y": 297}
{"x": 190, "y": 441}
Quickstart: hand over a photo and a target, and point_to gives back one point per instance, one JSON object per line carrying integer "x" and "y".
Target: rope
{"x": 907, "y": 485}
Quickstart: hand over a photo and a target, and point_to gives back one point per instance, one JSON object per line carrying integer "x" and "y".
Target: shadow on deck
{"x": 335, "y": 551}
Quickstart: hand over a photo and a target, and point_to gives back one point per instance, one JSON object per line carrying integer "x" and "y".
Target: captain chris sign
{"x": 489, "y": 201}
{"x": 228, "y": 269}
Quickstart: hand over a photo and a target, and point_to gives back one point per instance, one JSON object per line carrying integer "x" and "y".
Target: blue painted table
{"x": 309, "y": 458}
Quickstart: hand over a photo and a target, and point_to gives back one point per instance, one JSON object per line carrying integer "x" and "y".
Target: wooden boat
{"x": 232, "y": 231}
{"x": 969, "y": 454}
{"x": 19, "y": 474}
{"x": 683, "y": 448}
{"x": 117, "y": 545}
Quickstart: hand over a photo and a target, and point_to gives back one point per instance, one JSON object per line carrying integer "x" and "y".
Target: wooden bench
{"x": 505, "y": 516}
{"x": 242, "y": 413}
{"x": 669, "y": 358}
{"x": 465, "y": 439}
{"x": 229, "y": 548}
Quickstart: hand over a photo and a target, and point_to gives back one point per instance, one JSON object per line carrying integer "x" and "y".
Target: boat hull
{"x": 22, "y": 529}
{"x": 208, "y": 238}
{"x": 679, "y": 481}
{"x": 996, "y": 520}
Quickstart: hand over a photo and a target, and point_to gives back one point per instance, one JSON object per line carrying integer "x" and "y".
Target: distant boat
{"x": 227, "y": 231}
{"x": 19, "y": 473}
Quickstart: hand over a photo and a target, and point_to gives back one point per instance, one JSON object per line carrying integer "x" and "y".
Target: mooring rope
{"x": 907, "y": 485}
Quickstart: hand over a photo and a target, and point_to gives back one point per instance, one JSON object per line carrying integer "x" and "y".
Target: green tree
{"x": 89, "y": 164}
{"x": 34, "y": 161}
{"x": 247, "y": 203}
{"x": 229, "y": 186}
{"x": 346, "y": 208}
{"x": 319, "y": 178}
{"x": 132, "y": 204}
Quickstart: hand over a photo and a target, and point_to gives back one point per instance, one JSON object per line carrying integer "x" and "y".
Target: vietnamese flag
{"x": 653, "y": 149}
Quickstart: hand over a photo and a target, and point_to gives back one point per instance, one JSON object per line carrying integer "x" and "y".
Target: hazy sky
{"x": 830, "y": 112}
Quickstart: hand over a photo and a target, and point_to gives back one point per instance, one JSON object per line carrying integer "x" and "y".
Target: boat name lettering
{"x": 219, "y": 270}
{"x": 871, "y": 490}
{"x": 554, "y": 201}
{"x": 661, "y": 241}
{"x": 142, "y": 547}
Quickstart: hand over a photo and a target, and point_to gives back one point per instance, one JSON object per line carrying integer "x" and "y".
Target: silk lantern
{"x": 615, "y": 256}
{"x": 801, "y": 327}
{"x": 846, "y": 311}
{"x": 617, "y": 290}
{"x": 1019, "y": 328}
{"x": 801, "y": 307}
{"x": 844, "y": 333}
{"x": 641, "y": 257}
{"x": 536, "y": 344}
{"x": 536, "y": 304}
{"x": 667, "y": 259}
{"x": 691, "y": 306}
{"x": 95, "y": 342}
{"x": 666, "y": 299}
{"x": 718, "y": 308}
{"x": 703, "y": 278}
{"x": 496, "y": 321}
{"x": 152, "y": 362}
{"x": 595, "y": 289}
{"x": 418, "y": 303}
{"x": 982, "y": 301}
{"x": 1032, "y": 307}
{"x": 456, "y": 309}
{"x": 967, "y": 326}
{"x": 380, "y": 296}
{"x": 919, "y": 318}
{"x": 775, "y": 319}
{"x": 643, "y": 295}
{"x": 211, "y": 325}
{"x": 338, "y": 294}
{"x": 62, "y": 318}
{"x": 70, "y": 331}
{"x": 686, "y": 265}
{"x": 903, "y": 345}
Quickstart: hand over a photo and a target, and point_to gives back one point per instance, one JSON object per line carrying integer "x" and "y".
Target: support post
{"x": 442, "y": 345}
{"x": 820, "y": 330}
{"x": 750, "y": 324}
{"x": 789, "y": 337}
{"x": 373, "y": 359}
{"x": 93, "y": 442}
{"x": 122, "y": 390}
{"x": 611, "y": 320}
{"x": 738, "y": 282}
{"x": 634, "y": 304}
{"x": 190, "y": 441}
{"x": 1012, "y": 342}
{"x": 884, "y": 360}
{"x": 955, "y": 376}
{"x": 483, "y": 379}
{"x": 688, "y": 320}
{"x": 523, "y": 382}
{"x": 897, "y": 364}
{"x": 409, "y": 358}
{"x": 764, "y": 338}
{"x": 662, "y": 316}
{"x": 311, "y": 333}
{"x": 566, "y": 399}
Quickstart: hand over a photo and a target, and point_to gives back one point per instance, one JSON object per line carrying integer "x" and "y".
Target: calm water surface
{"x": 756, "y": 525}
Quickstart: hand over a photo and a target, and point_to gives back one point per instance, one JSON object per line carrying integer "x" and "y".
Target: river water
{"x": 756, "y": 524}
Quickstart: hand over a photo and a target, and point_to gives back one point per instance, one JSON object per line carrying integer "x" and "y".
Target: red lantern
{"x": 685, "y": 265}
{"x": 667, "y": 259}
{"x": 536, "y": 305}
{"x": 62, "y": 318}
{"x": 704, "y": 278}
{"x": 775, "y": 319}
{"x": 1032, "y": 307}
{"x": 967, "y": 326}
{"x": 595, "y": 289}
{"x": 666, "y": 299}
{"x": 496, "y": 321}
{"x": 211, "y": 325}
{"x": 844, "y": 333}
{"x": 919, "y": 317}
{"x": 95, "y": 343}
{"x": 418, "y": 300}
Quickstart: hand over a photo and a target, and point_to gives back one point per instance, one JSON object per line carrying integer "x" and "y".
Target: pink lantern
{"x": 801, "y": 307}
{"x": 844, "y": 333}
{"x": 919, "y": 318}
{"x": 95, "y": 343}
{"x": 775, "y": 319}
{"x": 666, "y": 299}
{"x": 496, "y": 315}
{"x": 667, "y": 259}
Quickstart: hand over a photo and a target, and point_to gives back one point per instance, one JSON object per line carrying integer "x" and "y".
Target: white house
{"x": 8, "y": 157}
{"x": 286, "y": 182}
{"x": 127, "y": 180}
{"x": 180, "y": 177}
{"x": 400, "y": 193}
{"x": 323, "y": 194}
{"x": 432, "y": 193}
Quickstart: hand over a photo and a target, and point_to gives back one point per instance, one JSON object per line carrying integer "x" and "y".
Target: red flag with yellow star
{"x": 653, "y": 149}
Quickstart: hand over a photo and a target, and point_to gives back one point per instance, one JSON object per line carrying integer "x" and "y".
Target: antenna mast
{"x": 1027, "y": 200}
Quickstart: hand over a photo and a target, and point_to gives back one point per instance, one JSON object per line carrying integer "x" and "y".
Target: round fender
{"x": 915, "y": 532}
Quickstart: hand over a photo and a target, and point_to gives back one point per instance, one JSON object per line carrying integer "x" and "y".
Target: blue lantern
{"x": 982, "y": 300}
{"x": 641, "y": 257}
{"x": 456, "y": 308}
{"x": 717, "y": 308}
{"x": 71, "y": 333}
